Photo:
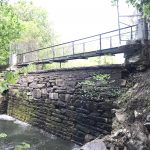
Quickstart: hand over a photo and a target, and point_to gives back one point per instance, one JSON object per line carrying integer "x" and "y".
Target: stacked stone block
{"x": 56, "y": 102}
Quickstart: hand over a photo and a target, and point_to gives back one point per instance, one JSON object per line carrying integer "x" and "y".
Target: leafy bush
{"x": 7, "y": 78}
{"x": 3, "y": 135}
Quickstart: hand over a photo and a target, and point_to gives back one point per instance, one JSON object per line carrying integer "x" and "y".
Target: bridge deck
{"x": 111, "y": 51}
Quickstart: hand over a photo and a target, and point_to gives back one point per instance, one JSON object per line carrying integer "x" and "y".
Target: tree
{"x": 142, "y": 6}
{"x": 37, "y": 31}
{"x": 10, "y": 28}
{"x": 36, "y": 25}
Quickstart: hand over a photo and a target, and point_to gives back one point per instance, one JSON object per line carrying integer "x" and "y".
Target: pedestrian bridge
{"x": 112, "y": 42}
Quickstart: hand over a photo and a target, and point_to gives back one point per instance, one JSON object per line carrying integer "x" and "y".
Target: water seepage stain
{"x": 18, "y": 132}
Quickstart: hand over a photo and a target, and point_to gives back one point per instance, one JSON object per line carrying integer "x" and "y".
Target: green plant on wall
{"x": 3, "y": 135}
{"x": 97, "y": 84}
{"x": 89, "y": 86}
{"x": 10, "y": 77}
{"x": 7, "y": 78}
{"x": 101, "y": 77}
{"x": 97, "y": 77}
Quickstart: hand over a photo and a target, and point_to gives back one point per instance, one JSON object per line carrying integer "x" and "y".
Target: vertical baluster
{"x": 24, "y": 58}
{"x": 110, "y": 42}
{"x": 63, "y": 51}
{"x": 73, "y": 48}
{"x": 18, "y": 59}
{"x": 47, "y": 54}
{"x": 53, "y": 51}
{"x": 100, "y": 42}
{"x": 60, "y": 64}
{"x": 83, "y": 47}
{"x": 37, "y": 55}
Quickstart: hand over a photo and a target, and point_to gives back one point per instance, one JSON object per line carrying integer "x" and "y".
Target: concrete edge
{"x": 114, "y": 66}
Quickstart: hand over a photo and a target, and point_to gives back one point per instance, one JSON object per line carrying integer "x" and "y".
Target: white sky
{"x": 73, "y": 19}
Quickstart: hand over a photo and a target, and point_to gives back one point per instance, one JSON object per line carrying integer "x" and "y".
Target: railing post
{"x": 37, "y": 56}
{"x": 18, "y": 59}
{"x": 53, "y": 51}
{"x": 83, "y": 47}
{"x": 73, "y": 48}
{"x": 110, "y": 42}
{"x": 100, "y": 42}
{"x": 131, "y": 33}
{"x": 63, "y": 51}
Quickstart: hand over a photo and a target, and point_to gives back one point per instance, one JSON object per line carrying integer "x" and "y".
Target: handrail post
{"x": 110, "y": 42}
{"x": 37, "y": 56}
{"x": 19, "y": 59}
{"x": 73, "y": 47}
{"x": 53, "y": 51}
{"x": 83, "y": 47}
{"x": 63, "y": 51}
{"x": 100, "y": 42}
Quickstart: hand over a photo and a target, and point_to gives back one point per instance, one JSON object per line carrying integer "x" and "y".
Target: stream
{"x": 18, "y": 132}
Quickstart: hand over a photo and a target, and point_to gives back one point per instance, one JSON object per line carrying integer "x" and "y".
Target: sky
{"x": 73, "y": 19}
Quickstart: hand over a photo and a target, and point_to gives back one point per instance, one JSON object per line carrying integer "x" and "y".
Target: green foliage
{"x": 101, "y": 77}
{"x": 97, "y": 87}
{"x": 106, "y": 60}
{"x": 87, "y": 82}
{"x": 3, "y": 86}
{"x": 37, "y": 31}
{"x": 10, "y": 28}
{"x": 3, "y": 135}
{"x": 142, "y": 6}
{"x": 7, "y": 78}
{"x": 23, "y": 146}
{"x": 26, "y": 70}
{"x": 11, "y": 77}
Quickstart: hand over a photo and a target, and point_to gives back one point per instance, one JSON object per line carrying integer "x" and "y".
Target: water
{"x": 18, "y": 132}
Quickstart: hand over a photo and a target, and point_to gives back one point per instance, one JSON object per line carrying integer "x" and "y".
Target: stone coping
{"x": 114, "y": 66}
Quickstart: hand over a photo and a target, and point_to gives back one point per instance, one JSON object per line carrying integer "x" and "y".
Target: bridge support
{"x": 140, "y": 56}
{"x": 137, "y": 58}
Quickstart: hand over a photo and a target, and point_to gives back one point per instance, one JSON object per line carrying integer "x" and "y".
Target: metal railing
{"x": 97, "y": 42}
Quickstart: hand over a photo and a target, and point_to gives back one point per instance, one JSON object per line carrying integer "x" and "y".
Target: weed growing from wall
{"x": 6, "y": 78}
{"x": 97, "y": 86}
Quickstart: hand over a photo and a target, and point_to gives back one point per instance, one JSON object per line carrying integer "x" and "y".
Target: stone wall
{"x": 3, "y": 97}
{"x": 3, "y": 103}
{"x": 74, "y": 104}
